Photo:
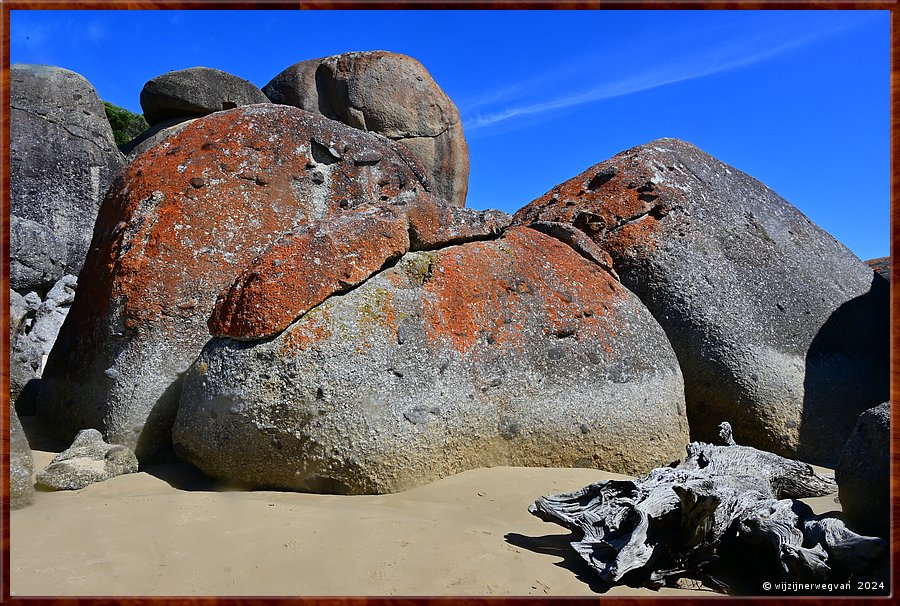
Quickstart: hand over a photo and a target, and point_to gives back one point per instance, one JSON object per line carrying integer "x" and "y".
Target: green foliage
{"x": 126, "y": 125}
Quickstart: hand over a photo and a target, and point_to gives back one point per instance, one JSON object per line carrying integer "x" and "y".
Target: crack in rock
{"x": 46, "y": 118}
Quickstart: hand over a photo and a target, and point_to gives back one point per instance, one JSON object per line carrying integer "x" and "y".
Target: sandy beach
{"x": 170, "y": 531}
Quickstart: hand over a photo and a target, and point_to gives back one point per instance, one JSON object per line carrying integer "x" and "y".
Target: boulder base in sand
{"x": 515, "y": 351}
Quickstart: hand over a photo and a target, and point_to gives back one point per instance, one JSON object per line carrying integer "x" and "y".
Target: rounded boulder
{"x": 514, "y": 351}
{"x": 195, "y": 92}
{"x": 389, "y": 94}
{"x": 62, "y": 159}
{"x": 863, "y": 473}
{"x": 181, "y": 224}
{"x": 779, "y": 329}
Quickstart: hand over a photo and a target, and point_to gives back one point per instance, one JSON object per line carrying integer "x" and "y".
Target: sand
{"x": 169, "y": 531}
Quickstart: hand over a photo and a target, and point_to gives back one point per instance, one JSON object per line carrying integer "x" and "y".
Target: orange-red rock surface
{"x": 175, "y": 230}
{"x": 511, "y": 351}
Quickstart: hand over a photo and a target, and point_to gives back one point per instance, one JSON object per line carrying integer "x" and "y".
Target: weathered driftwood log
{"x": 726, "y": 516}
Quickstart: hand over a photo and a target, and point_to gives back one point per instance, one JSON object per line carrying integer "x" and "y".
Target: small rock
{"x": 87, "y": 461}
{"x": 18, "y": 310}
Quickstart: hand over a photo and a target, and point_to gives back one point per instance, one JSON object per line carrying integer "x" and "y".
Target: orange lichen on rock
{"x": 313, "y": 328}
{"x": 308, "y": 265}
{"x": 211, "y": 198}
{"x": 180, "y": 223}
{"x": 616, "y": 203}
{"x": 304, "y": 268}
{"x": 434, "y": 223}
{"x": 485, "y": 294}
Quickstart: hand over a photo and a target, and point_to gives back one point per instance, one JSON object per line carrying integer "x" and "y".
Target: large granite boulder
{"x": 62, "y": 157}
{"x": 390, "y": 94}
{"x": 194, "y": 92}
{"x": 36, "y": 256}
{"x": 37, "y": 324}
{"x": 512, "y": 351}
{"x": 88, "y": 460}
{"x": 185, "y": 219}
{"x": 863, "y": 473}
{"x": 21, "y": 465}
{"x": 779, "y": 328}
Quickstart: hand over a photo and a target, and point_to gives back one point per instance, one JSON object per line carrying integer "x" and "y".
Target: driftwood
{"x": 726, "y": 516}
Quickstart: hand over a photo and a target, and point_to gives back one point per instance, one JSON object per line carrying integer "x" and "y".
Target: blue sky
{"x": 797, "y": 99}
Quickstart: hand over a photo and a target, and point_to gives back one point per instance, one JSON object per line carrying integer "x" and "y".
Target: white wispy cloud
{"x": 96, "y": 32}
{"x": 742, "y": 52}
{"x": 51, "y": 38}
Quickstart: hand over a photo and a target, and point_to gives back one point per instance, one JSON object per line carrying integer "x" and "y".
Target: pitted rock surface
{"x": 36, "y": 256}
{"x": 863, "y": 473}
{"x": 186, "y": 218}
{"x": 303, "y": 268}
{"x": 88, "y": 460}
{"x": 777, "y": 326}
{"x": 306, "y": 266}
{"x": 195, "y": 92}
{"x": 514, "y": 351}
{"x": 434, "y": 225}
{"x": 390, "y": 94}
{"x": 21, "y": 465}
{"x": 62, "y": 159}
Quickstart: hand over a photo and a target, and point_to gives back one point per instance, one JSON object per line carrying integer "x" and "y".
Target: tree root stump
{"x": 727, "y": 516}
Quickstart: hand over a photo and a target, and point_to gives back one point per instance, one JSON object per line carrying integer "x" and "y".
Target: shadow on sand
{"x": 176, "y": 473}
{"x": 558, "y": 545}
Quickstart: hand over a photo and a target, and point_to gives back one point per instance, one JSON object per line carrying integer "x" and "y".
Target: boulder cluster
{"x": 283, "y": 287}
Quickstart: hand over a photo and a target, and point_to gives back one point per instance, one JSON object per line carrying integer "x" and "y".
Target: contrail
{"x": 748, "y": 52}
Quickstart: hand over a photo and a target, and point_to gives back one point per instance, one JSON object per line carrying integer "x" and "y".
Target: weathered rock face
{"x": 390, "y": 94}
{"x": 88, "y": 460}
{"x": 314, "y": 261}
{"x": 183, "y": 222}
{"x": 863, "y": 473}
{"x": 194, "y": 92}
{"x": 37, "y": 323}
{"x": 777, "y": 326}
{"x": 18, "y": 310}
{"x": 62, "y": 157}
{"x": 21, "y": 465}
{"x": 36, "y": 256}
{"x": 515, "y": 351}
